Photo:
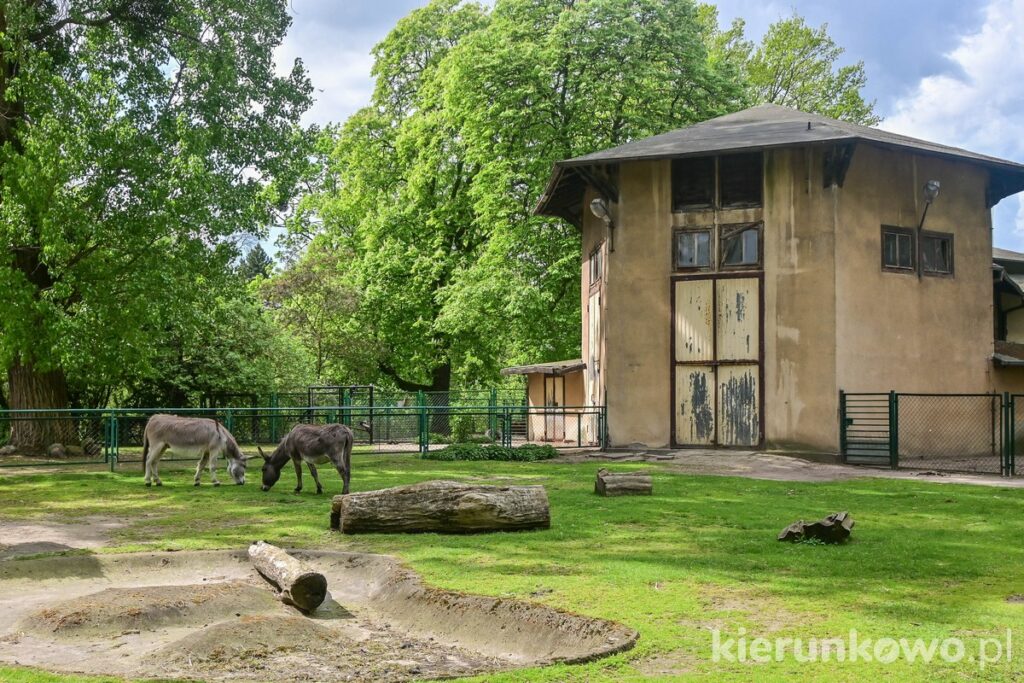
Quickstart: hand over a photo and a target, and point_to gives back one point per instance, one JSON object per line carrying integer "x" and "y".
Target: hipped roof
{"x": 767, "y": 126}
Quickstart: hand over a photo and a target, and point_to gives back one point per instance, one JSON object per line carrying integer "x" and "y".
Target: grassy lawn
{"x": 928, "y": 560}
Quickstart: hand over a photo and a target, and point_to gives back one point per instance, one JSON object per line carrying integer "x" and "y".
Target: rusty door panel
{"x": 694, "y": 320}
{"x": 695, "y": 405}
{"x": 738, "y": 319}
{"x": 739, "y": 415}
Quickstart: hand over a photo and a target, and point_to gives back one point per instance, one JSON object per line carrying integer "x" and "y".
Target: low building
{"x": 737, "y": 274}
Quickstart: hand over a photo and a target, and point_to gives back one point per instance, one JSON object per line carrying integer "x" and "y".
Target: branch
{"x": 401, "y": 383}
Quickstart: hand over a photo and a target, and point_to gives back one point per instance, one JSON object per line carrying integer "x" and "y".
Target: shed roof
{"x": 561, "y": 367}
{"x": 763, "y": 127}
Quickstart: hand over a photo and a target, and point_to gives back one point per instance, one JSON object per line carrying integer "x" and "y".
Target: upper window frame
{"x": 716, "y": 203}
{"x": 598, "y": 254}
{"x": 932, "y": 234}
{"x": 897, "y": 230}
{"x": 712, "y": 248}
{"x": 740, "y": 228}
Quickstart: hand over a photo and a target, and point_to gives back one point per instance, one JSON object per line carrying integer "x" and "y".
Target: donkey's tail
{"x": 145, "y": 449}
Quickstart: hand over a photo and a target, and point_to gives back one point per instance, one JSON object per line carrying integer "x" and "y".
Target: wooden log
{"x": 622, "y": 483}
{"x": 835, "y": 528}
{"x": 442, "y": 506}
{"x": 297, "y": 584}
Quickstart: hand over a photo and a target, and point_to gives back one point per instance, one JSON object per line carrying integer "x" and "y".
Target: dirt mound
{"x": 114, "y": 611}
{"x": 209, "y": 616}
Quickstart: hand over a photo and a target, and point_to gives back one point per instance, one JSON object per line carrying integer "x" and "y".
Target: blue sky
{"x": 951, "y": 71}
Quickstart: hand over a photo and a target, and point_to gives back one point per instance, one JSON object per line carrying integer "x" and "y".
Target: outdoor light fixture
{"x": 599, "y": 207}
{"x": 931, "y": 191}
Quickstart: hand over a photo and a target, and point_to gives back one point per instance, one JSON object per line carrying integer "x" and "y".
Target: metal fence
{"x": 974, "y": 433}
{"x": 112, "y": 436}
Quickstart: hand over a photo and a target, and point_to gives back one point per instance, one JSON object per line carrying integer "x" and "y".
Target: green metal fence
{"x": 115, "y": 436}
{"x": 974, "y": 433}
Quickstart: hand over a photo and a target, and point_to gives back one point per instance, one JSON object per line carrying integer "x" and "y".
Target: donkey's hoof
{"x": 216, "y": 483}
{"x": 319, "y": 492}
{"x": 159, "y": 483}
{"x": 148, "y": 484}
{"x": 297, "y": 491}
{"x": 195, "y": 483}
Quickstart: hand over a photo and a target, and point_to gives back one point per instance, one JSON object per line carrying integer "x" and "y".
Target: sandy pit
{"x": 209, "y": 616}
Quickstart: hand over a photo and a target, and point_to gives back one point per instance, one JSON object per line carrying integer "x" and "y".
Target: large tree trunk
{"x": 442, "y": 506}
{"x": 31, "y": 389}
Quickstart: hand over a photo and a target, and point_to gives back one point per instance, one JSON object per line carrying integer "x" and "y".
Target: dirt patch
{"x": 25, "y": 537}
{"x": 763, "y": 613}
{"x": 675, "y": 663}
{"x": 1017, "y": 599}
{"x": 209, "y": 615}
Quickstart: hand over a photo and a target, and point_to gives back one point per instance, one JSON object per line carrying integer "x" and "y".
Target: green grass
{"x": 927, "y": 560}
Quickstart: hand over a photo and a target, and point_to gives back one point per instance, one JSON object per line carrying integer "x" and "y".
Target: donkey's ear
{"x": 262, "y": 454}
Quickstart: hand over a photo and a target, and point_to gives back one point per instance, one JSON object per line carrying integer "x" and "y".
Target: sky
{"x": 950, "y": 71}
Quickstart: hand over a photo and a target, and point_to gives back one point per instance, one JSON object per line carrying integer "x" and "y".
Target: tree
{"x": 796, "y": 66}
{"x": 136, "y": 138}
{"x": 257, "y": 263}
{"x": 429, "y": 207}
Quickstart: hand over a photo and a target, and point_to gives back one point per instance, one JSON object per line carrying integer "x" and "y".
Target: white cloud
{"x": 979, "y": 103}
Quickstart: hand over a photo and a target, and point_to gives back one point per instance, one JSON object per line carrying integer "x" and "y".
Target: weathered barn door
{"x": 717, "y": 360}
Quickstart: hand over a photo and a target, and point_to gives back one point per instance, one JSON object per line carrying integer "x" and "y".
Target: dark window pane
{"x": 739, "y": 179}
{"x": 890, "y": 249}
{"x": 936, "y": 254}
{"x": 693, "y": 249}
{"x": 898, "y": 249}
{"x": 693, "y": 183}
{"x": 741, "y": 248}
{"x": 906, "y": 257}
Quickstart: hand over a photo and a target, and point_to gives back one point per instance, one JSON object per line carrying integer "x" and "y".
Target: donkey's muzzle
{"x": 266, "y": 488}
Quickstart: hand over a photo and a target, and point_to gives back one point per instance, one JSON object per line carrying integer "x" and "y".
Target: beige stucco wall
{"x": 895, "y": 330}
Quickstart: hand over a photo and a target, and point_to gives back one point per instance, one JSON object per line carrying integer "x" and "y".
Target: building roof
{"x": 767, "y": 126}
{"x": 1007, "y": 255}
{"x": 561, "y": 367}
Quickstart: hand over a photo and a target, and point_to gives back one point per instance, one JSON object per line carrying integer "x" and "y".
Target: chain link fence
{"x": 970, "y": 433}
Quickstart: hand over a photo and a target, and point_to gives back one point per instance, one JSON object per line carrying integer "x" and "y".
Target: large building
{"x": 738, "y": 273}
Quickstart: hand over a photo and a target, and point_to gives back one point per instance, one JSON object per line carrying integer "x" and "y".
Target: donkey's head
{"x": 236, "y": 464}
{"x": 270, "y": 473}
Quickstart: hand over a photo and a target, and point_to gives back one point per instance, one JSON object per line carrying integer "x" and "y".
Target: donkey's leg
{"x": 213, "y": 468}
{"x": 199, "y": 469}
{"x": 147, "y": 457}
{"x": 312, "y": 470}
{"x": 298, "y": 474}
{"x": 154, "y": 462}
{"x": 338, "y": 458}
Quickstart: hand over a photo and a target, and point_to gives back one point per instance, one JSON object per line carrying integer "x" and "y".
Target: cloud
{"x": 979, "y": 102}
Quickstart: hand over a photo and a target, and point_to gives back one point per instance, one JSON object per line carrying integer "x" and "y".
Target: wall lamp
{"x": 930, "y": 192}
{"x": 599, "y": 207}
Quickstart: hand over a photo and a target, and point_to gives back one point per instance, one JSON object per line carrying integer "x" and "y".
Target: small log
{"x": 297, "y": 584}
{"x": 622, "y": 483}
{"x": 835, "y": 528}
{"x": 442, "y": 506}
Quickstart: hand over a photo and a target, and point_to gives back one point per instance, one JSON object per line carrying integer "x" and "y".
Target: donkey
{"x": 191, "y": 436}
{"x": 313, "y": 445}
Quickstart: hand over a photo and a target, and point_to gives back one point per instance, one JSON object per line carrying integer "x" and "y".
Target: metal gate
{"x": 717, "y": 356}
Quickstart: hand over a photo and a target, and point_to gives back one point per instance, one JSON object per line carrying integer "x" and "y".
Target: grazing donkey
{"x": 191, "y": 436}
{"x": 314, "y": 445}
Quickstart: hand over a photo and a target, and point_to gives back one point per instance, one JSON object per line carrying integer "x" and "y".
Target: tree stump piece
{"x": 835, "y": 528}
{"x": 622, "y": 483}
{"x": 298, "y": 585}
{"x": 442, "y": 506}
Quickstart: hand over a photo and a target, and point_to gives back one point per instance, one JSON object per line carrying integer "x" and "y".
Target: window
{"x": 596, "y": 264}
{"x": 936, "y": 253}
{"x": 897, "y": 249}
{"x": 739, "y": 180}
{"x": 693, "y": 183}
{"x": 733, "y": 181}
{"x": 741, "y": 245}
{"x": 692, "y": 249}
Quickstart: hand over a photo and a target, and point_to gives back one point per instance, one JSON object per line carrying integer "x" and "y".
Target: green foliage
{"x": 256, "y": 263}
{"x": 796, "y": 66}
{"x": 475, "y": 451}
{"x": 138, "y": 139}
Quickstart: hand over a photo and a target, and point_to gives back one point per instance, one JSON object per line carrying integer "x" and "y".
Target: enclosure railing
{"x": 112, "y": 436}
{"x": 974, "y": 433}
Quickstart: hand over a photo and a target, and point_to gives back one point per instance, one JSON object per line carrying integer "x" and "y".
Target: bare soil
{"x": 209, "y": 616}
{"x": 20, "y": 538}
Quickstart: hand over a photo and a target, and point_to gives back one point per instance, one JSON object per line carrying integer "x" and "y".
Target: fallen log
{"x": 622, "y": 483}
{"x": 835, "y": 528}
{"x": 442, "y": 506}
{"x": 297, "y": 584}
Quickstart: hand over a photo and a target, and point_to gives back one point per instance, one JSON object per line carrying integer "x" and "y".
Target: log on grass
{"x": 622, "y": 483}
{"x": 297, "y": 584}
{"x": 442, "y": 506}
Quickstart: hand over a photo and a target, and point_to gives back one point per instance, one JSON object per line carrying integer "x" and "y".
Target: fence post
{"x": 116, "y": 441}
{"x": 346, "y": 402}
{"x": 229, "y": 421}
{"x": 842, "y": 424}
{"x": 424, "y": 436}
{"x": 1007, "y": 435}
{"x": 894, "y": 430}
{"x": 373, "y": 427}
{"x": 273, "y": 417}
{"x": 1012, "y": 429}
{"x": 492, "y": 413}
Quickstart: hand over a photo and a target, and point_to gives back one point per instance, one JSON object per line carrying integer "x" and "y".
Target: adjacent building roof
{"x": 764, "y": 127}
{"x": 561, "y": 367}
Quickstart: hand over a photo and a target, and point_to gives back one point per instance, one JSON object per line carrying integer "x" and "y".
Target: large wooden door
{"x": 717, "y": 363}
